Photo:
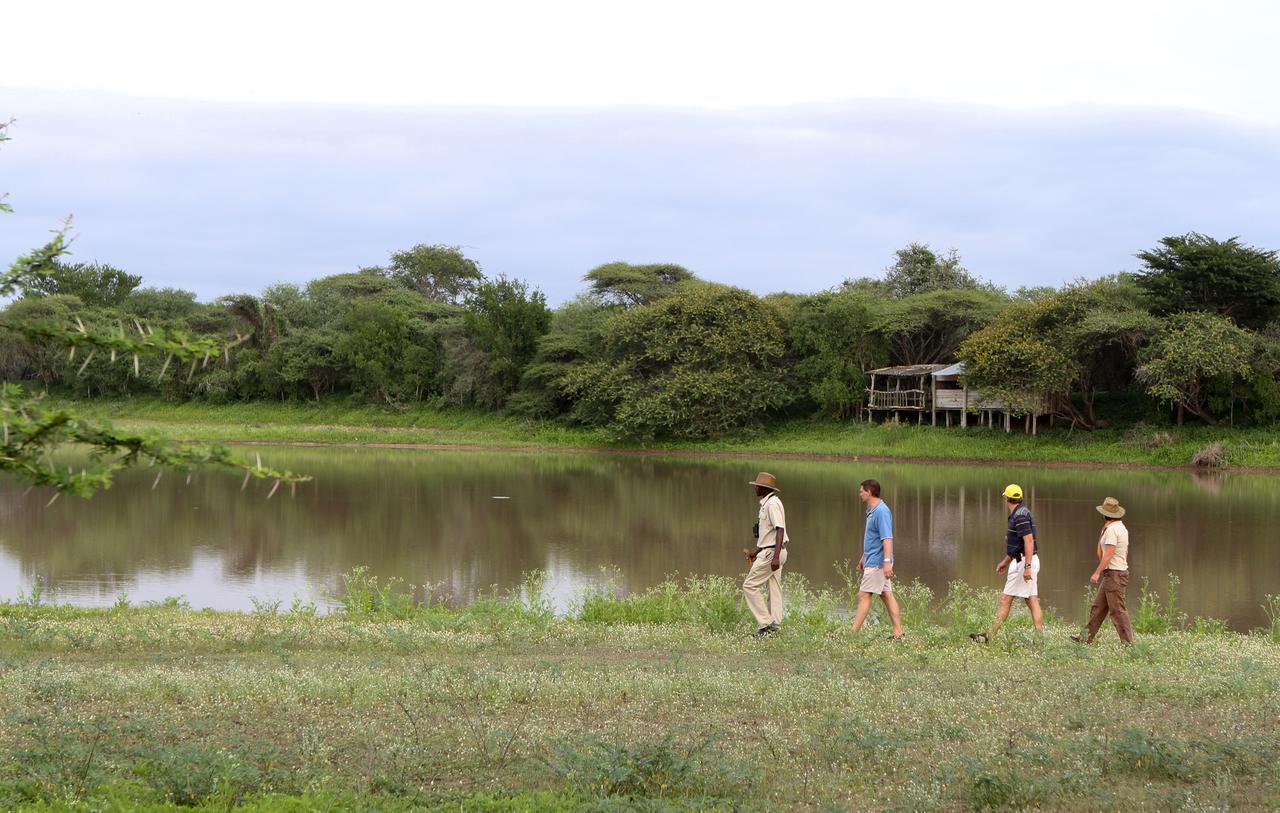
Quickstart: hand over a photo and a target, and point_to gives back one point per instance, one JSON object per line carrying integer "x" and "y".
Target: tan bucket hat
{"x": 1111, "y": 507}
{"x": 767, "y": 480}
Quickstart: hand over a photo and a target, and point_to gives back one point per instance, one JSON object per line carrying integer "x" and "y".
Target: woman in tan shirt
{"x": 1111, "y": 575}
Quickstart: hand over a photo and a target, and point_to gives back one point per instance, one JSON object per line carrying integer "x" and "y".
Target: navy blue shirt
{"x": 1021, "y": 523}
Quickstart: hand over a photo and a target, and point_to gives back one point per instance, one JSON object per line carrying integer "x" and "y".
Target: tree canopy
{"x": 1226, "y": 277}
{"x": 630, "y": 285}
{"x": 94, "y": 284}
{"x": 1190, "y": 352}
{"x": 917, "y": 269}
{"x": 438, "y": 272}
{"x": 698, "y": 363}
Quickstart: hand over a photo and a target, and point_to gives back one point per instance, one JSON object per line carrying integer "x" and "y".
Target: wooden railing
{"x": 895, "y": 399}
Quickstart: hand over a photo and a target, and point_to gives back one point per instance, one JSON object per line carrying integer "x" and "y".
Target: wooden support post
{"x": 933, "y": 399}
{"x": 1035, "y": 421}
{"x": 964, "y": 408}
{"x": 1008, "y": 423}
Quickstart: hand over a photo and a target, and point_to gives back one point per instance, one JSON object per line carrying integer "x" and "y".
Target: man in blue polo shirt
{"x": 877, "y": 559}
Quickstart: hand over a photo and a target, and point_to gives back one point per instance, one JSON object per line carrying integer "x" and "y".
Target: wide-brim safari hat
{"x": 766, "y": 480}
{"x": 1111, "y": 508}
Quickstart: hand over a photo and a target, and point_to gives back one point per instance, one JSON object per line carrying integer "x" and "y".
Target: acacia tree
{"x": 928, "y": 328}
{"x": 504, "y": 320}
{"x": 1060, "y": 349}
{"x": 32, "y": 430}
{"x": 620, "y": 283}
{"x": 95, "y": 284}
{"x": 1190, "y": 352}
{"x": 438, "y": 272}
{"x": 832, "y": 344}
{"x": 1195, "y": 272}
{"x": 917, "y": 269}
{"x": 698, "y": 363}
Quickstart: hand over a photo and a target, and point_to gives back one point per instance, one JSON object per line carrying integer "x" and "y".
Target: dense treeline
{"x": 652, "y": 351}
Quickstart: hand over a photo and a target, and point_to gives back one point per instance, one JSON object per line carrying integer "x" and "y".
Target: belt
{"x": 766, "y": 547}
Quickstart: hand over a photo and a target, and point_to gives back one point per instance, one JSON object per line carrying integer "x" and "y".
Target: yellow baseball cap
{"x": 1013, "y": 491}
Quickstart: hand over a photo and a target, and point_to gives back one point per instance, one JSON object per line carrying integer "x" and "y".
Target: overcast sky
{"x": 773, "y": 146}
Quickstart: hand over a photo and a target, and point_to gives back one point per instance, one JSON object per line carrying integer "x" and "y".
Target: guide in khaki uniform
{"x": 767, "y": 558}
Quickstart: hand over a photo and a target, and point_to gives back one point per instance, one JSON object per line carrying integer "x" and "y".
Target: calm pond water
{"x": 433, "y": 518}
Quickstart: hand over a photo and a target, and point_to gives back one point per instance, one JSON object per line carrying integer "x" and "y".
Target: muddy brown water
{"x": 469, "y": 522}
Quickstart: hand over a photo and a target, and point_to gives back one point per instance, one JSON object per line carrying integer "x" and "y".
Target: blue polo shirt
{"x": 879, "y": 528}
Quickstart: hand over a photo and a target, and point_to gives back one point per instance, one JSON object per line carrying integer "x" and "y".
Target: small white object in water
{"x": 501, "y": 498}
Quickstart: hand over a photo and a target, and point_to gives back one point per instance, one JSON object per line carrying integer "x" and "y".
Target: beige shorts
{"x": 1018, "y": 587}
{"x": 874, "y": 582}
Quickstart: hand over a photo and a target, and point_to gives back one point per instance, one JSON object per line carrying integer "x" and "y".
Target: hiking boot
{"x": 979, "y": 637}
{"x": 766, "y": 631}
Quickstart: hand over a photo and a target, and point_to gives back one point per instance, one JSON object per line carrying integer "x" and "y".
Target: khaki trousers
{"x": 760, "y": 576}
{"x": 1110, "y": 598}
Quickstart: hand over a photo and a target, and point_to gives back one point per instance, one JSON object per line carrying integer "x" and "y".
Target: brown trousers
{"x": 1110, "y": 598}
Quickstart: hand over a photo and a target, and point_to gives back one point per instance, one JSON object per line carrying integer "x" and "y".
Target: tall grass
{"x": 1154, "y": 616}
{"x": 713, "y": 602}
{"x": 1271, "y": 606}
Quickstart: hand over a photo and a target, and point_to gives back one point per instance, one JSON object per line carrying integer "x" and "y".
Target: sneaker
{"x": 764, "y": 631}
{"x": 1077, "y": 639}
{"x": 979, "y": 637}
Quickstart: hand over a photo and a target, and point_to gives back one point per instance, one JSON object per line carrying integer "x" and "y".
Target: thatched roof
{"x": 908, "y": 371}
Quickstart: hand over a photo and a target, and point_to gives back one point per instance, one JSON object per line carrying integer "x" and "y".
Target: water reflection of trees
{"x": 429, "y": 518}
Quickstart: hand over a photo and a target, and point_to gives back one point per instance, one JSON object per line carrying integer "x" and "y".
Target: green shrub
{"x": 915, "y": 599}
{"x": 1209, "y": 626}
{"x": 366, "y": 597}
{"x": 715, "y": 601}
{"x": 1154, "y": 618}
{"x": 1271, "y": 606}
{"x": 654, "y": 769}
{"x": 1002, "y": 790}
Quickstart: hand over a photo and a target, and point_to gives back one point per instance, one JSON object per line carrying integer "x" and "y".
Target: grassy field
{"x": 656, "y": 702}
{"x": 343, "y": 422}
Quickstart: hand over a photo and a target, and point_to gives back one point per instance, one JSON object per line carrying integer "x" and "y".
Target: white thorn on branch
{"x": 85, "y": 363}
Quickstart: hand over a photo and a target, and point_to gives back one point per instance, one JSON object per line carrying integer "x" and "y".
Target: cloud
{"x": 223, "y": 198}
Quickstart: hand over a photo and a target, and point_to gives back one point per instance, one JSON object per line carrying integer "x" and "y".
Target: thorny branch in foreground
{"x": 32, "y": 431}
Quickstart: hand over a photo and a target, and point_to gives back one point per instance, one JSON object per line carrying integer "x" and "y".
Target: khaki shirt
{"x": 772, "y": 517}
{"x": 1117, "y": 535}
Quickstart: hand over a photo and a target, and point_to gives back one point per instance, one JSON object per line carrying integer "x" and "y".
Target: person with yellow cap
{"x": 768, "y": 557}
{"x": 1022, "y": 560}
